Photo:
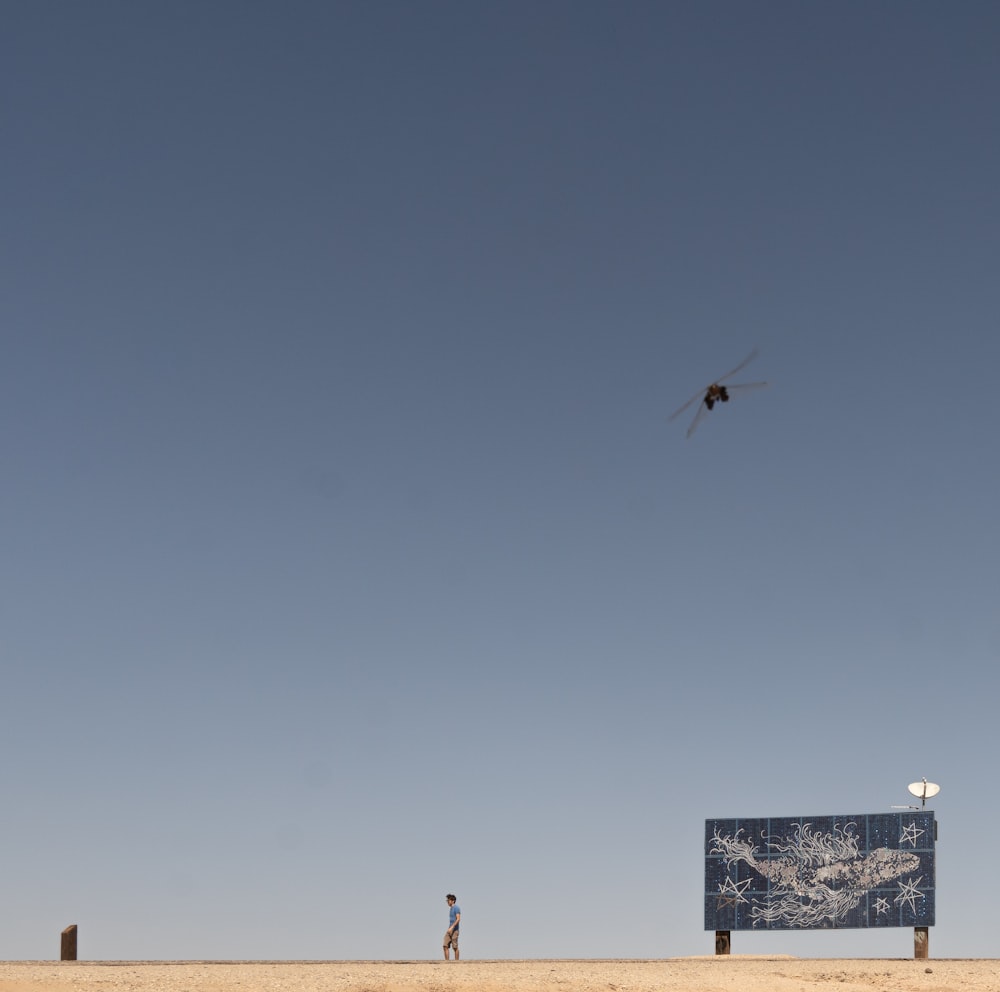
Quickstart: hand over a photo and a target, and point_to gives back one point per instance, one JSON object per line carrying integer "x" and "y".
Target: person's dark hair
{"x": 451, "y": 897}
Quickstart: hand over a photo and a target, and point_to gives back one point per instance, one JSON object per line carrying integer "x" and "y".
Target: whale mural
{"x": 820, "y": 872}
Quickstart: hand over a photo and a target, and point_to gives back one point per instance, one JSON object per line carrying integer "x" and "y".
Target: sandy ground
{"x": 735, "y": 973}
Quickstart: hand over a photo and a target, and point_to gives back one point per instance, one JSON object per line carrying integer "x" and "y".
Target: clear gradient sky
{"x": 348, "y": 557}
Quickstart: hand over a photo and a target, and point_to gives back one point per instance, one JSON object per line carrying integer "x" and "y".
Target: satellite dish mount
{"x": 923, "y": 790}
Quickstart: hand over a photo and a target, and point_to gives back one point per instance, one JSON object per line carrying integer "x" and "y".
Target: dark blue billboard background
{"x": 820, "y": 872}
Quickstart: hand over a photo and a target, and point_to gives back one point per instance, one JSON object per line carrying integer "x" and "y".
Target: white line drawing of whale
{"x": 818, "y": 876}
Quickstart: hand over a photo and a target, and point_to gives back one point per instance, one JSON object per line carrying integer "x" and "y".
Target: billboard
{"x": 820, "y": 872}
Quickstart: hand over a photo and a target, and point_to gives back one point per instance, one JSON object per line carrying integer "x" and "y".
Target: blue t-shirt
{"x": 452, "y": 913}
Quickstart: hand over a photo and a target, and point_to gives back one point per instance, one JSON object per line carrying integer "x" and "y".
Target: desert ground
{"x": 735, "y": 973}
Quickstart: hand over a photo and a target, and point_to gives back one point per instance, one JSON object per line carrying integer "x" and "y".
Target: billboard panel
{"x": 820, "y": 872}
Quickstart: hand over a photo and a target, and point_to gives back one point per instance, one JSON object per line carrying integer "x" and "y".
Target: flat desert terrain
{"x": 734, "y": 973}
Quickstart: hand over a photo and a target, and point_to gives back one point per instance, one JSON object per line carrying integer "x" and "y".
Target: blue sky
{"x": 348, "y": 557}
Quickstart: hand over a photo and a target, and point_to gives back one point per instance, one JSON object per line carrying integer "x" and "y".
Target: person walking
{"x": 451, "y": 934}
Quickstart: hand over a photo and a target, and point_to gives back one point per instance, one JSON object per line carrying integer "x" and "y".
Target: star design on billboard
{"x": 909, "y": 834}
{"x": 908, "y": 894}
{"x": 731, "y": 892}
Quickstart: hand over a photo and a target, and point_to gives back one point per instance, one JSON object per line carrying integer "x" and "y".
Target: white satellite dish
{"x": 923, "y": 790}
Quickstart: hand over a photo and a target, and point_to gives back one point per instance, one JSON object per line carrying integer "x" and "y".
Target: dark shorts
{"x": 451, "y": 939}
